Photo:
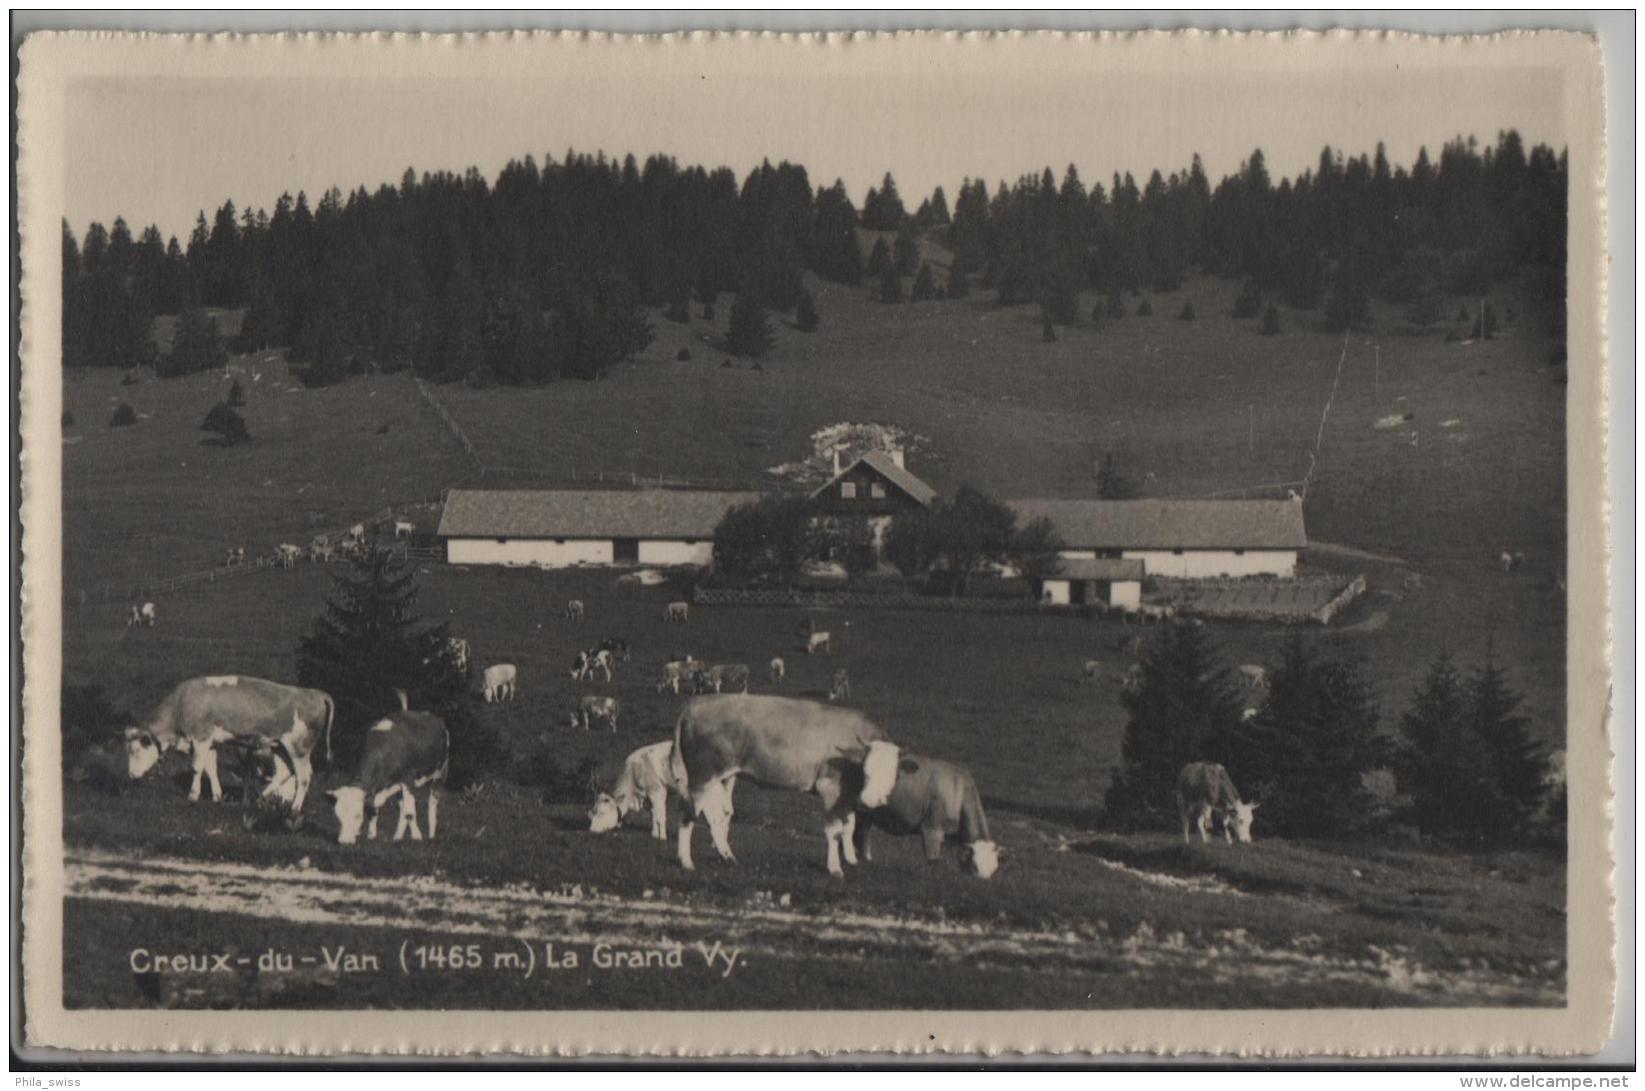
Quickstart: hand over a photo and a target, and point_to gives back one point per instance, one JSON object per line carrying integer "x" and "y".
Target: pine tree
{"x": 196, "y": 346}
{"x": 879, "y": 258}
{"x": 905, "y": 254}
{"x": 1145, "y": 309}
{"x": 1443, "y": 766}
{"x": 368, "y": 643}
{"x": 925, "y": 285}
{"x": 1116, "y": 305}
{"x": 236, "y": 395}
{"x": 1308, "y": 750}
{"x": 890, "y": 286}
{"x": 806, "y": 319}
{"x": 1181, "y": 703}
{"x": 750, "y": 332}
{"x": 225, "y": 422}
{"x": 1187, "y": 312}
{"x": 1519, "y": 760}
{"x": 1248, "y": 304}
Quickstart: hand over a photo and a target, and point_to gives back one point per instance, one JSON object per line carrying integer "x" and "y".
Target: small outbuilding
{"x": 1192, "y": 539}
{"x": 562, "y": 528}
{"x": 1090, "y": 581}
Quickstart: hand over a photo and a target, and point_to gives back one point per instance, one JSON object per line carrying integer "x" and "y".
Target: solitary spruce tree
{"x": 1181, "y": 703}
{"x": 750, "y": 332}
{"x": 223, "y": 420}
{"x": 369, "y": 643}
{"x": 1443, "y": 767}
{"x": 1519, "y": 760}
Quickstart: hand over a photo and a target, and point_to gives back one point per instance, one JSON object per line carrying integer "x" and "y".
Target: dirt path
{"x": 1351, "y": 551}
{"x": 761, "y": 928}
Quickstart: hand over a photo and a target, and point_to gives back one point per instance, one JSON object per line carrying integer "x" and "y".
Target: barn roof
{"x": 1170, "y": 524}
{"x": 886, "y": 466}
{"x": 1101, "y": 568}
{"x": 606, "y": 513}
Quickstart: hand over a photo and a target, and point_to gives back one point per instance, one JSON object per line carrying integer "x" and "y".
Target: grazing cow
{"x": 1247, "y": 714}
{"x": 779, "y": 742}
{"x": 202, "y": 713}
{"x": 647, "y": 778}
{"x": 779, "y": 670}
{"x": 588, "y": 662}
{"x": 1131, "y": 680}
{"x": 840, "y": 688}
{"x": 616, "y": 645}
{"x": 499, "y": 682}
{"x": 677, "y": 671}
{"x": 592, "y": 708}
{"x": 815, "y": 641}
{"x": 1253, "y": 677}
{"x": 937, "y": 800}
{"x": 357, "y": 532}
{"x": 1091, "y": 672}
{"x": 404, "y": 751}
{"x": 458, "y": 652}
{"x": 1205, "y": 791}
{"x": 727, "y": 676}
{"x": 574, "y": 610}
{"x": 1506, "y": 560}
{"x": 287, "y": 555}
{"x": 1157, "y": 614}
{"x": 404, "y": 528}
{"x": 141, "y": 615}
{"x": 677, "y": 611}
{"x": 320, "y": 541}
{"x": 321, "y": 552}
{"x": 235, "y": 556}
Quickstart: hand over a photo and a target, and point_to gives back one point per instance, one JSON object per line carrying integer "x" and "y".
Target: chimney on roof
{"x": 836, "y": 462}
{"x": 896, "y": 456}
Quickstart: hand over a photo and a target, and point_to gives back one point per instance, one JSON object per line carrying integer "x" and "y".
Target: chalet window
{"x": 876, "y": 490}
{"x": 502, "y": 541}
{"x": 1176, "y": 553}
{"x": 559, "y": 541}
{"x": 1239, "y": 552}
{"x": 848, "y": 490}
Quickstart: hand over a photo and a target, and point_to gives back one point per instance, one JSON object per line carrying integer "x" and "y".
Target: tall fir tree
{"x": 1182, "y": 702}
{"x": 1520, "y": 762}
{"x": 1443, "y": 767}
{"x": 750, "y": 331}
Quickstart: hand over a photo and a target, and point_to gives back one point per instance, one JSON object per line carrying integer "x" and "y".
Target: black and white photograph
{"x": 962, "y": 525}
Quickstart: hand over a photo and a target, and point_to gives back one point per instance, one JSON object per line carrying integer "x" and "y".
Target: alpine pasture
{"x": 1079, "y": 915}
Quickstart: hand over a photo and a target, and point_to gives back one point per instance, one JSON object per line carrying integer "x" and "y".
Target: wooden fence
{"x": 824, "y": 600}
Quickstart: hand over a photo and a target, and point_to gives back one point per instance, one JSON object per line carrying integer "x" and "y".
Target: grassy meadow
{"x": 1190, "y": 408}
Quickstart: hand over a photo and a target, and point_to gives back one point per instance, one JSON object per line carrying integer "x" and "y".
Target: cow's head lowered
{"x": 983, "y": 858}
{"x": 143, "y": 752}
{"x": 607, "y": 813}
{"x": 349, "y": 804}
{"x": 879, "y": 772}
{"x": 1240, "y": 817}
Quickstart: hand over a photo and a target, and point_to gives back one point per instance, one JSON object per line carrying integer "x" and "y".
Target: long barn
{"x": 555, "y": 528}
{"x": 1192, "y": 539}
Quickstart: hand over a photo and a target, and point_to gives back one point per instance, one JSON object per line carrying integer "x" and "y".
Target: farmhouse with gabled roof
{"x": 561, "y": 528}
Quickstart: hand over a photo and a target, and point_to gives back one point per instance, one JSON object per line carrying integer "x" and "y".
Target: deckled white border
{"x": 49, "y": 61}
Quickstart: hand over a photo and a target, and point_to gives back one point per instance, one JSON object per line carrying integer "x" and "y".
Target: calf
{"x": 817, "y": 641}
{"x": 840, "y": 688}
{"x": 779, "y": 670}
{"x": 404, "y": 751}
{"x": 1253, "y": 677}
{"x": 141, "y": 615}
{"x": 586, "y": 663}
{"x": 592, "y": 708}
{"x": 499, "y": 681}
{"x": 727, "y": 676}
{"x": 939, "y": 801}
{"x": 574, "y": 610}
{"x": 648, "y": 777}
{"x": 404, "y": 528}
{"x": 677, "y": 611}
{"x": 1206, "y": 792}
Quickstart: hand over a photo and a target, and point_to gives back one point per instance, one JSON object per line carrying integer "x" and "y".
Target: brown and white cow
{"x": 592, "y": 708}
{"x": 727, "y": 676}
{"x": 939, "y": 801}
{"x": 1205, "y": 792}
{"x": 203, "y": 713}
{"x": 779, "y": 742}
{"x": 404, "y": 751}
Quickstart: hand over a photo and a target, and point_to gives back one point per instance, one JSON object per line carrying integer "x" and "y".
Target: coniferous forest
{"x": 544, "y": 274}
